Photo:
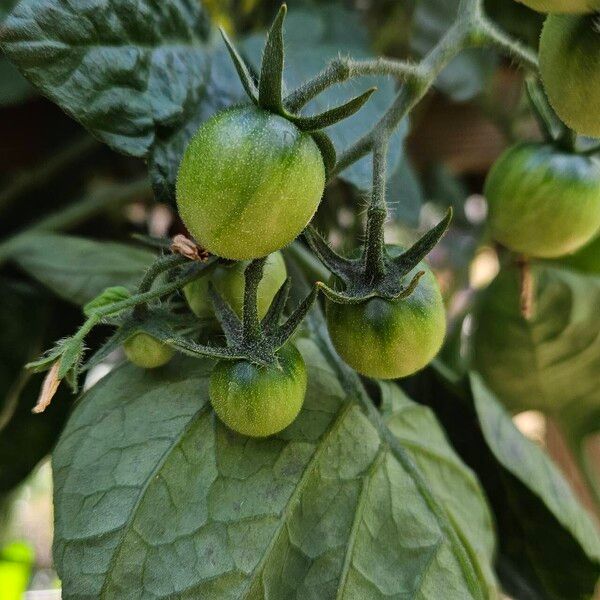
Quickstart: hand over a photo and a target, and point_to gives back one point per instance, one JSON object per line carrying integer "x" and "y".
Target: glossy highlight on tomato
{"x": 570, "y": 70}
{"x": 543, "y": 202}
{"x": 146, "y": 351}
{"x": 390, "y": 339}
{"x": 562, "y": 6}
{"x": 249, "y": 182}
{"x": 229, "y": 282}
{"x": 259, "y": 401}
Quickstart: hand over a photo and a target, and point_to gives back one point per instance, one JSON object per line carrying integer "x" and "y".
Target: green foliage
{"x": 79, "y": 269}
{"x": 144, "y": 96}
{"x": 317, "y": 510}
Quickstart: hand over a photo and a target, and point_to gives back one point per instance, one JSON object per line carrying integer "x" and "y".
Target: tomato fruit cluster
{"x": 390, "y": 339}
{"x": 259, "y": 401}
{"x": 543, "y": 201}
{"x": 146, "y": 351}
{"x": 249, "y": 183}
{"x": 228, "y": 280}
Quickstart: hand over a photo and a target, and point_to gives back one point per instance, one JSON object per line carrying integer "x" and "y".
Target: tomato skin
{"x": 561, "y": 6}
{"x": 229, "y": 282}
{"x": 249, "y": 182}
{"x": 543, "y": 202}
{"x": 259, "y": 401}
{"x": 388, "y": 340}
{"x": 146, "y": 351}
{"x": 570, "y": 70}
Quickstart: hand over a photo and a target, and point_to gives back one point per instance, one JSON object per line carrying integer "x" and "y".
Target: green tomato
{"x": 249, "y": 182}
{"x": 562, "y": 6}
{"x": 543, "y": 202}
{"x": 570, "y": 70}
{"x": 387, "y": 340}
{"x": 259, "y": 401}
{"x": 229, "y": 282}
{"x": 146, "y": 351}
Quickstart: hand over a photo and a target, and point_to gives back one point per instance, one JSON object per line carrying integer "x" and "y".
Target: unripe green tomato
{"x": 562, "y": 6}
{"x": 229, "y": 282}
{"x": 570, "y": 70}
{"x": 259, "y": 401}
{"x": 249, "y": 183}
{"x": 543, "y": 202}
{"x": 146, "y": 351}
{"x": 388, "y": 340}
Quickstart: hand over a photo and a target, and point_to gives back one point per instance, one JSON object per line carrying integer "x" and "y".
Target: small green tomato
{"x": 259, "y": 401}
{"x": 146, "y": 351}
{"x": 543, "y": 202}
{"x": 388, "y": 340}
{"x": 249, "y": 183}
{"x": 229, "y": 282}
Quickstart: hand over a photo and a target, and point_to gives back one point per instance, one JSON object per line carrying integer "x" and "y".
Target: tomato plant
{"x": 533, "y": 189}
{"x": 229, "y": 282}
{"x": 357, "y": 238}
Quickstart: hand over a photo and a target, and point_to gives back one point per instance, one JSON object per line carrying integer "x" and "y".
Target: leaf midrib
{"x": 159, "y": 465}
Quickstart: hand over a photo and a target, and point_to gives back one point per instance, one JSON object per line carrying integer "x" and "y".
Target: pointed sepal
{"x": 332, "y": 116}
{"x": 270, "y": 85}
{"x": 408, "y": 260}
{"x": 229, "y": 321}
{"x": 285, "y": 331}
{"x": 273, "y": 317}
{"x": 338, "y": 265}
{"x": 241, "y": 68}
{"x": 326, "y": 148}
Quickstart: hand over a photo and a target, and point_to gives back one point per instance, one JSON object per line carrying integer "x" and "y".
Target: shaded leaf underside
{"x": 154, "y": 499}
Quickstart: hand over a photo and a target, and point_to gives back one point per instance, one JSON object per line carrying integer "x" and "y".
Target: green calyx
{"x": 360, "y": 279}
{"x": 249, "y": 338}
{"x": 267, "y": 93}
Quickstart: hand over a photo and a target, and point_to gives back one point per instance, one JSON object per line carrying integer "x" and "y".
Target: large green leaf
{"x": 453, "y": 483}
{"x": 586, "y": 260}
{"x": 155, "y": 498}
{"x": 548, "y": 546}
{"x": 550, "y": 362}
{"x": 312, "y": 39}
{"x": 141, "y": 75}
{"x": 467, "y": 74}
{"x": 78, "y": 269}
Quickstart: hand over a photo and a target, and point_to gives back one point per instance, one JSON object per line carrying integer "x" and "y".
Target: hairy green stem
{"x": 374, "y": 256}
{"x": 164, "y": 263}
{"x": 250, "y": 320}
